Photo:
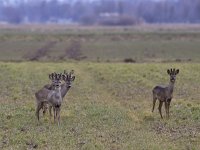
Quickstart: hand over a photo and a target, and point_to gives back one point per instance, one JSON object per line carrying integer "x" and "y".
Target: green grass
{"x": 108, "y": 107}
{"x": 143, "y": 44}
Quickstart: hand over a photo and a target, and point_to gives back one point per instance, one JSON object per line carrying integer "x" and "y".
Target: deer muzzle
{"x": 57, "y": 105}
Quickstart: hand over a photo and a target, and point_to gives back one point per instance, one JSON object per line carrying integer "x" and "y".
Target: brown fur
{"x": 50, "y": 96}
{"x": 165, "y": 93}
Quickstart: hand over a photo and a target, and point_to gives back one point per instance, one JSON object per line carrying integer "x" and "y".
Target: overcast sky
{"x": 13, "y": 1}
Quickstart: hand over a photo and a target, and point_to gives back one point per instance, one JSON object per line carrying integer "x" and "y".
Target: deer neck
{"x": 64, "y": 89}
{"x": 171, "y": 87}
{"x": 54, "y": 93}
{"x": 58, "y": 90}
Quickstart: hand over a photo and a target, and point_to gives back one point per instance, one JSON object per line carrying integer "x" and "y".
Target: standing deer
{"x": 165, "y": 93}
{"x": 68, "y": 78}
{"x": 52, "y": 97}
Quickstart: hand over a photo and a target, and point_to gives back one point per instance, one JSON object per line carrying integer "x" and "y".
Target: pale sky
{"x": 8, "y": 2}
{"x": 51, "y": 0}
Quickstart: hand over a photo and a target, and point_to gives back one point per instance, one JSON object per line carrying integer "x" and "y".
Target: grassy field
{"x": 146, "y": 43}
{"x": 108, "y": 107}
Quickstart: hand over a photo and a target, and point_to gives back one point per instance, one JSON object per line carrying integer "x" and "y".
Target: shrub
{"x": 129, "y": 60}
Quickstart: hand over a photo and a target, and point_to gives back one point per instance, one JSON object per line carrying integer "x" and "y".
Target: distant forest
{"x": 104, "y": 12}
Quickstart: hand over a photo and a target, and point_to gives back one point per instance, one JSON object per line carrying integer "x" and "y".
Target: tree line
{"x": 106, "y": 12}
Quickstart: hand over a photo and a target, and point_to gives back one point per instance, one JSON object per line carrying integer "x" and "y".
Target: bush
{"x": 129, "y": 60}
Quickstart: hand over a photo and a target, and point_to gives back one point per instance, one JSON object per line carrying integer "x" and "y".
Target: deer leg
{"x": 160, "y": 108}
{"x": 56, "y": 111}
{"x": 54, "y": 114}
{"x": 50, "y": 113}
{"x": 39, "y": 106}
{"x": 44, "y": 108}
{"x": 58, "y": 116}
{"x": 169, "y": 101}
{"x": 154, "y": 102}
{"x": 166, "y": 109}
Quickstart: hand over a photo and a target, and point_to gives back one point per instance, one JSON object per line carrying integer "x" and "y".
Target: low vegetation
{"x": 109, "y": 104}
{"x": 144, "y": 43}
{"x": 108, "y": 107}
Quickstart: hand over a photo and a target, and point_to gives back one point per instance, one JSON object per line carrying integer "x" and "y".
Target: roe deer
{"x": 68, "y": 78}
{"x": 52, "y": 97}
{"x": 165, "y": 93}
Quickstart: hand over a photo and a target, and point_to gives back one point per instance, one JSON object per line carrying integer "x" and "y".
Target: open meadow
{"x": 146, "y": 43}
{"x": 109, "y": 104}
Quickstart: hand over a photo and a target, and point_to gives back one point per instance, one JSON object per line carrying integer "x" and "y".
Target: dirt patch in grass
{"x": 41, "y": 52}
{"x": 176, "y": 132}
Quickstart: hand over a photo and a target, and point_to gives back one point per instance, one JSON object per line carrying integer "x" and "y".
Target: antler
{"x": 173, "y": 71}
{"x": 65, "y": 72}
{"x": 71, "y": 72}
{"x": 65, "y": 76}
{"x": 68, "y": 76}
{"x": 72, "y": 77}
{"x": 52, "y": 76}
{"x": 55, "y": 76}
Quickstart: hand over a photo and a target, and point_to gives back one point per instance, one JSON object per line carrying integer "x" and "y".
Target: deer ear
{"x": 51, "y": 76}
{"x": 177, "y": 71}
{"x": 63, "y": 77}
{"x": 73, "y": 78}
{"x": 71, "y": 72}
{"x": 168, "y": 71}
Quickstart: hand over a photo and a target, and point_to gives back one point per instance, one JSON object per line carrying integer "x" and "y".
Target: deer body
{"x": 54, "y": 97}
{"x": 64, "y": 88}
{"x": 68, "y": 78}
{"x": 165, "y": 93}
{"x": 50, "y": 96}
{"x": 55, "y": 100}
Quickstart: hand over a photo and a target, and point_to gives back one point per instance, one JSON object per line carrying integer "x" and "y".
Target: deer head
{"x": 56, "y": 79}
{"x": 68, "y": 77}
{"x": 172, "y": 73}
